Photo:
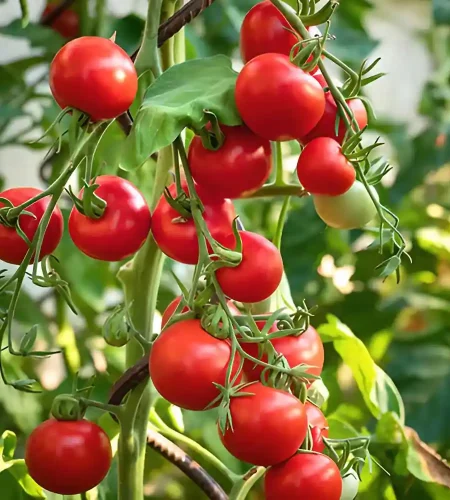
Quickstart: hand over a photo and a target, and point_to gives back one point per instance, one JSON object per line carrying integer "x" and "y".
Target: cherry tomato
{"x": 265, "y": 30}
{"x": 277, "y": 100}
{"x": 350, "y": 210}
{"x": 268, "y": 426}
{"x": 68, "y": 457}
{"x": 185, "y": 361}
{"x": 121, "y": 230}
{"x": 327, "y": 124}
{"x": 259, "y": 273}
{"x": 319, "y": 426}
{"x": 12, "y": 247}
{"x": 240, "y": 166}
{"x": 323, "y": 169}
{"x": 305, "y": 349}
{"x": 307, "y": 476}
{"x": 67, "y": 24}
{"x": 177, "y": 236}
{"x": 94, "y": 75}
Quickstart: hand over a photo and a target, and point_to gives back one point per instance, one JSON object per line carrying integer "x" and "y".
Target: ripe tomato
{"x": 94, "y": 75}
{"x": 121, "y": 230}
{"x": 172, "y": 307}
{"x": 350, "y": 210}
{"x": 265, "y": 30}
{"x": 323, "y": 169}
{"x": 307, "y": 476}
{"x": 268, "y": 427}
{"x": 327, "y": 124}
{"x": 319, "y": 424}
{"x": 277, "y": 100}
{"x": 184, "y": 363}
{"x": 12, "y": 247}
{"x": 240, "y": 166}
{"x": 68, "y": 457}
{"x": 177, "y": 236}
{"x": 259, "y": 273}
{"x": 304, "y": 349}
{"x": 67, "y": 24}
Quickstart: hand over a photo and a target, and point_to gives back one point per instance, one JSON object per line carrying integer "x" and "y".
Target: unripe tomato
{"x": 67, "y": 24}
{"x": 258, "y": 275}
{"x": 351, "y": 210}
{"x": 308, "y": 476}
{"x": 241, "y": 165}
{"x": 123, "y": 227}
{"x": 350, "y": 486}
{"x": 185, "y": 362}
{"x": 68, "y": 457}
{"x": 12, "y": 247}
{"x": 319, "y": 424}
{"x": 306, "y": 348}
{"x": 94, "y": 75}
{"x": 277, "y": 100}
{"x": 323, "y": 169}
{"x": 268, "y": 426}
{"x": 177, "y": 236}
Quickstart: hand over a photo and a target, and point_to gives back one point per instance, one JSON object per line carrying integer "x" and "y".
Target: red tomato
{"x": 265, "y": 30}
{"x": 268, "y": 427}
{"x": 259, "y": 273}
{"x": 305, "y": 349}
{"x": 277, "y": 100}
{"x": 319, "y": 426}
{"x": 172, "y": 307}
{"x": 68, "y": 457}
{"x": 327, "y": 124}
{"x": 12, "y": 247}
{"x": 121, "y": 230}
{"x": 323, "y": 169}
{"x": 185, "y": 361}
{"x": 307, "y": 476}
{"x": 67, "y": 24}
{"x": 240, "y": 166}
{"x": 94, "y": 75}
{"x": 177, "y": 236}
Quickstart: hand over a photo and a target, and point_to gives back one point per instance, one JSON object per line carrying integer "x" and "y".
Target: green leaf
{"x": 38, "y": 36}
{"x": 128, "y": 31}
{"x": 178, "y": 99}
{"x": 377, "y": 389}
{"x": 441, "y": 11}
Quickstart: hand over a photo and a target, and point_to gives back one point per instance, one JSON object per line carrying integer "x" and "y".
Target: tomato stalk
{"x": 243, "y": 486}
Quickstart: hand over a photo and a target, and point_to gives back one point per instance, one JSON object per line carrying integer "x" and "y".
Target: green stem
{"x": 281, "y": 222}
{"x": 277, "y": 155}
{"x": 243, "y": 486}
{"x": 168, "y": 49}
{"x": 100, "y": 17}
{"x": 270, "y": 190}
{"x": 85, "y": 20}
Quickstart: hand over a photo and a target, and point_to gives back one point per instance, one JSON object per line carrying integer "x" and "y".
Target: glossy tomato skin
{"x": 277, "y": 100}
{"x": 68, "y": 457}
{"x": 305, "y": 476}
{"x": 305, "y": 349}
{"x": 266, "y": 30}
{"x": 240, "y": 166}
{"x": 123, "y": 227}
{"x": 319, "y": 426}
{"x": 94, "y": 75}
{"x": 12, "y": 247}
{"x": 177, "y": 236}
{"x": 351, "y": 210}
{"x": 268, "y": 427}
{"x": 258, "y": 275}
{"x": 184, "y": 363}
{"x": 67, "y": 24}
{"x": 323, "y": 169}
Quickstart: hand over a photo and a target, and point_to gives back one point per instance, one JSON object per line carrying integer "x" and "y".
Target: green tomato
{"x": 350, "y": 486}
{"x": 350, "y": 210}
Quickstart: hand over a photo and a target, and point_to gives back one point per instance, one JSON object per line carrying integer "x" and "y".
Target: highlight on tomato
{"x": 68, "y": 457}
{"x": 94, "y": 75}
{"x": 185, "y": 363}
{"x": 323, "y": 168}
{"x": 239, "y": 167}
{"x": 246, "y": 282}
{"x": 121, "y": 230}
{"x": 268, "y": 426}
{"x": 13, "y": 247}
{"x": 67, "y": 24}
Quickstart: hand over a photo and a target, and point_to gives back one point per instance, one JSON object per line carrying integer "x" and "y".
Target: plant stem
{"x": 243, "y": 487}
{"x": 168, "y": 49}
{"x": 100, "y": 17}
{"x": 270, "y": 190}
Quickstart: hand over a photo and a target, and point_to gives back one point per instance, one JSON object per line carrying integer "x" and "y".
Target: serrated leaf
{"x": 178, "y": 99}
